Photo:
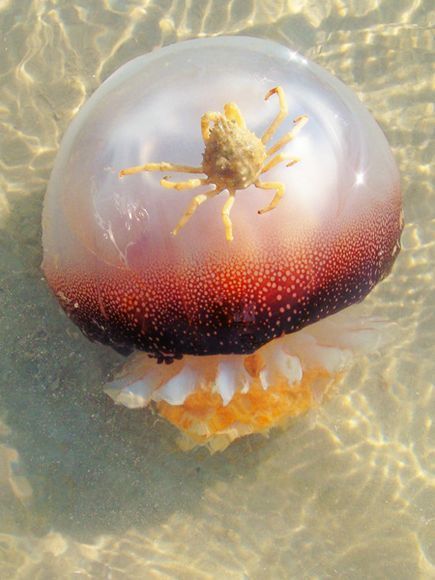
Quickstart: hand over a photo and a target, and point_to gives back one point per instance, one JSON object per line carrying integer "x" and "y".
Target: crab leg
{"x": 277, "y": 159}
{"x": 299, "y": 122}
{"x": 160, "y": 167}
{"x": 283, "y": 112}
{"x": 181, "y": 185}
{"x": 233, "y": 113}
{"x": 192, "y": 207}
{"x": 226, "y": 217}
{"x": 206, "y": 119}
{"x": 279, "y": 192}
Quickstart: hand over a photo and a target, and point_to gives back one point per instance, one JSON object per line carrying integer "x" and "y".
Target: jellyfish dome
{"x": 214, "y": 209}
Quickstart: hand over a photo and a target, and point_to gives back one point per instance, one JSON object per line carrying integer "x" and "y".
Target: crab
{"x": 234, "y": 158}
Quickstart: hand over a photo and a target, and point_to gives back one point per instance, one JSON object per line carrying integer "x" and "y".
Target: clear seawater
{"x": 90, "y": 490}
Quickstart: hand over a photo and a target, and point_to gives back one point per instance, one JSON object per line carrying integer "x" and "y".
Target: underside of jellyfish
{"x": 214, "y": 400}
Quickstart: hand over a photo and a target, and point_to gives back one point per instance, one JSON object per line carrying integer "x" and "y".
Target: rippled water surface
{"x": 91, "y": 490}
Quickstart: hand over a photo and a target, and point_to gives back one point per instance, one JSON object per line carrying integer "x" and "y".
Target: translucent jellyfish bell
{"x": 245, "y": 306}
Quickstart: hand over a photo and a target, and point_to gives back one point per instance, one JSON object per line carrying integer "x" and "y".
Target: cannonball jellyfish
{"x": 214, "y": 209}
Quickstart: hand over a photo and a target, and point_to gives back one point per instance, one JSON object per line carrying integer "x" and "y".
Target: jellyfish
{"x": 216, "y": 211}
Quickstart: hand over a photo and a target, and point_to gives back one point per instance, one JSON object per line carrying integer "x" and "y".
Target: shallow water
{"x": 91, "y": 490}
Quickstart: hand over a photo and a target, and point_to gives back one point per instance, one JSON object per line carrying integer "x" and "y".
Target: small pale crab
{"x": 234, "y": 158}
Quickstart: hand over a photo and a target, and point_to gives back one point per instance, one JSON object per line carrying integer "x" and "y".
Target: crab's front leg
{"x": 233, "y": 113}
{"x": 279, "y": 192}
{"x": 206, "y": 120}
